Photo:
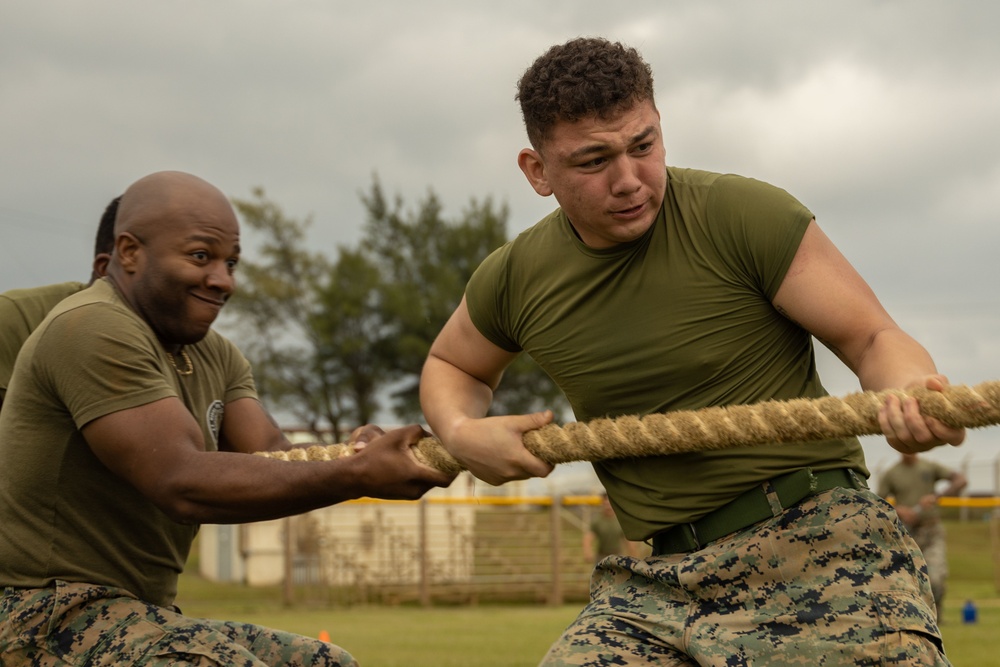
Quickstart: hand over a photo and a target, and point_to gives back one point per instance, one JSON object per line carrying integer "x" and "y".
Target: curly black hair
{"x": 586, "y": 76}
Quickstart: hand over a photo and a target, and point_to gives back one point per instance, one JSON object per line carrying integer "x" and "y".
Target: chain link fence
{"x": 434, "y": 551}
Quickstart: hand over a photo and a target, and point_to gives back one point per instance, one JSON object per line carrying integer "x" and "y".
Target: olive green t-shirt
{"x": 21, "y": 310}
{"x": 678, "y": 319}
{"x": 608, "y": 535}
{"x": 908, "y": 483}
{"x": 63, "y": 514}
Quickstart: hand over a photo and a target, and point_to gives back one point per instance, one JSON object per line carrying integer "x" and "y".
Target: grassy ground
{"x": 508, "y": 636}
{"x": 974, "y": 576}
{"x": 404, "y": 636}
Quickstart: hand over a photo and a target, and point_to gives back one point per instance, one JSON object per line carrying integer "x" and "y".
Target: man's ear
{"x": 127, "y": 249}
{"x": 99, "y": 268}
{"x": 531, "y": 163}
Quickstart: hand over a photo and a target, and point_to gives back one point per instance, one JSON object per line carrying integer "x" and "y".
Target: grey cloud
{"x": 881, "y": 117}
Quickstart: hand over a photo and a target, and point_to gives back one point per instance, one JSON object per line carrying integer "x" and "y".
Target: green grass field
{"x": 508, "y": 636}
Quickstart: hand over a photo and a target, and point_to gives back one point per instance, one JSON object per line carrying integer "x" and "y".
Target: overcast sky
{"x": 882, "y": 117}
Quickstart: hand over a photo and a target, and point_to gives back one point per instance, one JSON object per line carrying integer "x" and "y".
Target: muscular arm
{"x": 456, "y": 390}
{"x": 824, "y": 294}
{"x": 158, "y": 448}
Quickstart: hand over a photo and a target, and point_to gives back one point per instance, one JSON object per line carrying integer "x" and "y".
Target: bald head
{"x": 177, "y": 242}
{"x": 150, "y": 203}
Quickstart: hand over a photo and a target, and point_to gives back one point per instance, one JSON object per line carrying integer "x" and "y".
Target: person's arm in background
{"x": 956, "y": 484}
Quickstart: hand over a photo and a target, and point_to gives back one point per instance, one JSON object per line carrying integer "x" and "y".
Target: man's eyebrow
{"x": 209, "y": 240}
{"x": 600, "y": 148}
{"x": 648, "y": 133}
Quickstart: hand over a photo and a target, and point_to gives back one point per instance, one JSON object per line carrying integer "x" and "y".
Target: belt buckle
{"x": 694, "y": 535}
{"x": 682, "y": 538}
{"x": 687, "y": 539}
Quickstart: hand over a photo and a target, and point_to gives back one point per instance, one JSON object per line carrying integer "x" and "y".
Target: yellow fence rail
{"x": 592, "y": 500}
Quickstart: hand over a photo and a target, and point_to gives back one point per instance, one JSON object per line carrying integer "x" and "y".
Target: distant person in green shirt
{"x": 21, "y": 310}
{"x": 604, "y": 536}
{"x": 912, "y": 485}
{"x": 655, "y": 288}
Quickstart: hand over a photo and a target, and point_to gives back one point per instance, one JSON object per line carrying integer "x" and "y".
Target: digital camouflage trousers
{"x": 834, "y": 580}
{"x": 85, "y": 625}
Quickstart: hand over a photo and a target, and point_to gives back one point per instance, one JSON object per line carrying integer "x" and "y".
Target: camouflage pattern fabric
{"x": 930, "y": 536}
{"x": 834, "y": 580}
{"x": 81, "y": 624}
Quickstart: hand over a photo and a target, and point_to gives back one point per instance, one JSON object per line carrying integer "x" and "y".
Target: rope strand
{"x": 798, "y": 420}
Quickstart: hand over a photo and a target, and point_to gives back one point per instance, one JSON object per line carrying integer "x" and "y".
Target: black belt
{"x": 761, "y": 502}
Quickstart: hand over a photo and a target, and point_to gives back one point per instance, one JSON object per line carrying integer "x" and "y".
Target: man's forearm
{"x": 223, "y": 489}
{"x": 894, "y": 359}
{"x": 957, "y": 484}
{"x": 448, "y": 395}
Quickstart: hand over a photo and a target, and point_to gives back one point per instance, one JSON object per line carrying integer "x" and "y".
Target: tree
{"x": 282, "y": 302}
{"x": 328, "y": 338}
{"x": 426, "y": 263}
{"x": 353, "y": 336}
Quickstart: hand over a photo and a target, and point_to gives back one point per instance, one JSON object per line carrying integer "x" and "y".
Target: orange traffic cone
{"x": 324, "y": 636}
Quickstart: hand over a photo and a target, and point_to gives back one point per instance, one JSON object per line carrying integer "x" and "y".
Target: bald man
{"x": 129, "y": 422}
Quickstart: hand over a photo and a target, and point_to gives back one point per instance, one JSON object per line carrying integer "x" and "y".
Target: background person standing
{"x": 912, "y": 483}
{"x": 604, "y": 536}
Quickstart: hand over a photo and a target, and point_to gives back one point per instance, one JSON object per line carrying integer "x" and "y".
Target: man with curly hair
{"x": 655, "y": 288}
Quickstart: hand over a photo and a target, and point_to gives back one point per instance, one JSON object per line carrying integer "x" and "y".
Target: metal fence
{"x": 439, "y": 550}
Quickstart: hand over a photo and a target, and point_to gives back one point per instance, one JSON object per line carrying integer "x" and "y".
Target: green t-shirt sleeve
{"x": 240, "y": 382}
{"x": 486, "y": 299}
{"x": 758, "y": 228}
{"x": 97, "y": 360}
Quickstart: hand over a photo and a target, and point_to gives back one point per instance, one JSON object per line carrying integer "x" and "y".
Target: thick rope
{"x": 798, "y": 420}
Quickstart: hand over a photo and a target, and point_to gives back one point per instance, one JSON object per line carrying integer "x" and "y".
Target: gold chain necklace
{"x": 188, "y": 366}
